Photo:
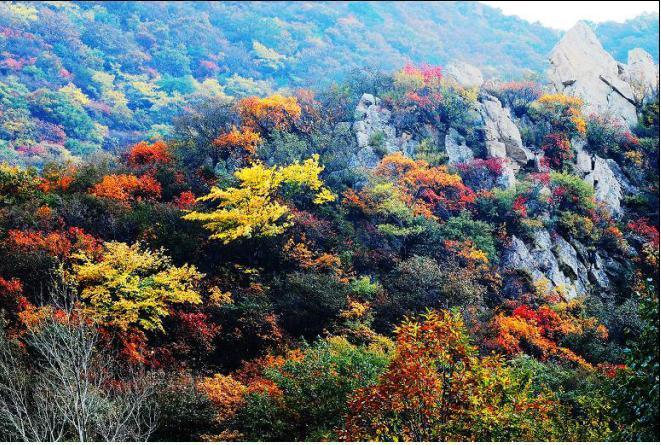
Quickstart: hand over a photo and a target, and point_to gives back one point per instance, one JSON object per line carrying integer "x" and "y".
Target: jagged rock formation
{"x": 374, "y": 133}
{"x": 605, "y": 176}
{"x": 502, "y": 138}
{"x": 642, "y": 74}
{"x": 557, "y": 263}
{"x": 581, "y": 67}
{"x": 465, "y": 74}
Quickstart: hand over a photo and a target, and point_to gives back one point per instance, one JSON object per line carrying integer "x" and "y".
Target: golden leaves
{"x": 133, "y": 287}
{"x": 255, "y": 208}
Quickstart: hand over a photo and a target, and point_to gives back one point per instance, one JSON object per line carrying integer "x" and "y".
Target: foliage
{"x": 636, "y": 389}
{"x": 254, "y": 208}
{"x": 517, "y": 95}
{"x": 436, "y": 388}
{"x": 129, "y": 286}
{"x": 563, "y": 113}
{"x": 570, "y": 192}
{"x": 273, "y": 112}
{"x": 558, "y": 151}
{"x": 128, "y": 130}
{"x": 432, "y": 191}
{"x": 463, "y": 227}
{"x": 244, "y": 141}
{"x": 127, "y": 187}
{"x": 313, "y": 386}
{"x": 142, "y": 154}
{"x": 16, "y": 184}
{"x": 542, "y": 331}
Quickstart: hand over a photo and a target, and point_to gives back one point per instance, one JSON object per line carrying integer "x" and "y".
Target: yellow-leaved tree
{"x": 255, "y": 207}
{"x": 132, "y": 287}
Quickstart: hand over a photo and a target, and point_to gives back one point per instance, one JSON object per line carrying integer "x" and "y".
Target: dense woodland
{"x": 236, "y": 274}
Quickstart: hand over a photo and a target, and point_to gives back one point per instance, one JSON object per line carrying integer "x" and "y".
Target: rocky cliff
{"x": 578, "y": 66}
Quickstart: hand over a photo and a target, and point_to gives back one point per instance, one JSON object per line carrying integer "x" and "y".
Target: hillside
{"x": 424, "y": 253}
{"x": 78, "y": 77}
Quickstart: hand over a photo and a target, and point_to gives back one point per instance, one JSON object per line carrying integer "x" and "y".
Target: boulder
{"x": 465, "y": 74}
{"x": 579, "y": 66}
{"x": 456, "y": 148}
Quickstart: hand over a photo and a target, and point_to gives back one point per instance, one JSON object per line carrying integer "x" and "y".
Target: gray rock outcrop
{"x": 605, "y": 175}
{"x": 606, "y": 187}
{"x": 550, "y": 259}
{"x": 502, "y": 136}
{"x": 581, "y": 67}
{"x": 375, "y": 134}
{"x": 609, "y": 182}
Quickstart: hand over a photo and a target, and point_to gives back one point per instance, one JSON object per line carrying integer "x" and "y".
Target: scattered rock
{"x": 607, "y": 189}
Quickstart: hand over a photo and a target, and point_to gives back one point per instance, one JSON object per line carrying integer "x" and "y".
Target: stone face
{"x": 579, "y": 66}
{"x": 642, "y": 74}
{"x": 566, "y": 256}
{"x": 502, "y": 136}
{"x": 549, "y": 258}
{"x": 456, "y": 148}
{"x": 465, "y": 74}
{"x": 371, "y": 118}
{"x": 625, "y": 185}
{"x": 507, "y": 178}
{"x": 598, "y": 274}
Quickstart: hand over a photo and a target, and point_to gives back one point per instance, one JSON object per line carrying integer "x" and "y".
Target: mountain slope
{"x": 79, "y": 76}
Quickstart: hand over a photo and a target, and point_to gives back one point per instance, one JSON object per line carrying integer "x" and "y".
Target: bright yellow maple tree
{"x": 129, "y": 286}
{"x": 255, "y": 207}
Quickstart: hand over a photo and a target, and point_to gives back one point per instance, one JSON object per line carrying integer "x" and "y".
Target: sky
{"x": 564, "y": 14}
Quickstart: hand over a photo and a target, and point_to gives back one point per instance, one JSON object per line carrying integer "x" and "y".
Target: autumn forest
{"x": 198, "y": 242}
